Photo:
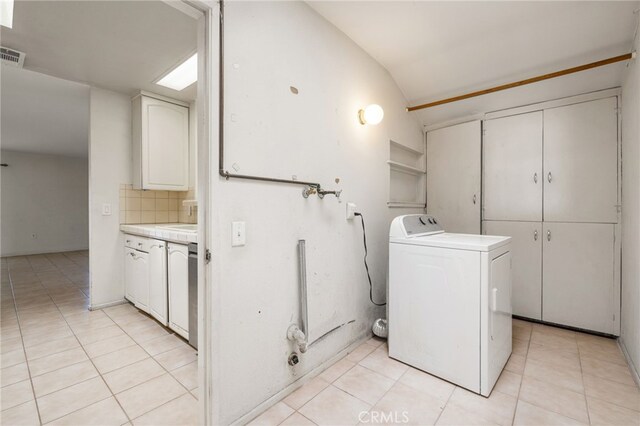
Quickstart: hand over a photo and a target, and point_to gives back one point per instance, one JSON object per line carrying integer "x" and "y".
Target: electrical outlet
{"x": 106, "y": 209}
{"x": 351, "y": 211}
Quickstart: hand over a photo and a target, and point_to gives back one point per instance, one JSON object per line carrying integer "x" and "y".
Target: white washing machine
{"x": 449, "y": 302}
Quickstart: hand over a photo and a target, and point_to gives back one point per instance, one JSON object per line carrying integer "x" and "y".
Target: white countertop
{"x": 160, "y": 231}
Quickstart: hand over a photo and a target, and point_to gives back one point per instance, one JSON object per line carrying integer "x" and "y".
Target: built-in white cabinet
{"x": 526, "y": 255}
{"x": 578, "y": 283}
{"x": 550, "y": 181}
{"x": 156, "y": 275}
{"x": 160, "y": 143}
{"x": 512, "y": 165}
{"x": 158, "y": 306}
{"x": 453, "y": 176}
{"x": 581, "y": 162}
{"x": 178, "y": 280}
{"x": 136, "y": 278}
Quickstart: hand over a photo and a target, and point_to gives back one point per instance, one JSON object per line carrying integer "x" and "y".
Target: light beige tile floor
{"x": 65, "y": 365}
{"x": 554, "y": 377}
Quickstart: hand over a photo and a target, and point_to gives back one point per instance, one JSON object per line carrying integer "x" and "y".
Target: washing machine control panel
{"x": 423, "y": 224}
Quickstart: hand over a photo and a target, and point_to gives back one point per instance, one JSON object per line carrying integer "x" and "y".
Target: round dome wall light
{"x": 371, "y": 114}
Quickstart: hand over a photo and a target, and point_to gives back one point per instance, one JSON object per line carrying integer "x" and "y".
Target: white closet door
{"x": 580, "y": 162}
{"x": 578, "y": 287}
{"x": 453, "y": 177}
{"x": 512, "y": 156}
{"x": 526, "y": 267}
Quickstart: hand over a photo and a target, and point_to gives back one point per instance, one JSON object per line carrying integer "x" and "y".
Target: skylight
{"x": 182, "y": 76}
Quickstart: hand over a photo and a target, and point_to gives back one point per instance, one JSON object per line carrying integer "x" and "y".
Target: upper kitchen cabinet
{"x": 160, "y": 143}
{"x": 581, "y": 162}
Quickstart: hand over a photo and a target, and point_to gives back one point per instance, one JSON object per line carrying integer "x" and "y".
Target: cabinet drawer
{"x": 136, "y": 242}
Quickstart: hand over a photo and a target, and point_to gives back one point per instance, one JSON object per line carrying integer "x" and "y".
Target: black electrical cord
{"x": 366, "y": 266}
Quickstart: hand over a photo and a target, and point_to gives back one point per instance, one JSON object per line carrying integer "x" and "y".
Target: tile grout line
{"x": 146, "y": 381}
{"x": 85, "y": 352}
{"x": 360, "y": 365}
{"x": 15, "y": 307}
{"x": 445, "y": 405}
{"x": 526, "y": 358}
{"x": 94, "y": 366}
{"x": 153, "y": 356}
{"x": 586, "y": 401}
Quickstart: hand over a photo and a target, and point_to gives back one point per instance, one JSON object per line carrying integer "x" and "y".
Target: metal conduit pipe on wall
{"x": 296, "y": 333}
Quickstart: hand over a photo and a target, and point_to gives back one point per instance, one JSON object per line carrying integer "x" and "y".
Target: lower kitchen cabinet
{"x": 136, "y": 278}
{"x": 158, "y": 281}
{"x": 578, "y": 279}
{"x": 178, "y": 280}
{"x": 526, "y": 258}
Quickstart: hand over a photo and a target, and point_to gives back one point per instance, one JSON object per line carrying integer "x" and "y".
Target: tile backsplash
{"x": 137, "y": 206}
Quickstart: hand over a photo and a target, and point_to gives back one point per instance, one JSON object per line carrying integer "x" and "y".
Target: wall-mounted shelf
{"x": 395, "y": 144}
{"x": 406, "y": 168}
{"x": 407, "y": 176}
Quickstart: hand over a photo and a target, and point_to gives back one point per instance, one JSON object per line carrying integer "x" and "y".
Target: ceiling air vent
{"x": 12, "y": 57}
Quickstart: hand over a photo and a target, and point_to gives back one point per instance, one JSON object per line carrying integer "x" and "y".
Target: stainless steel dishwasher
{"x": 193, "y": 295}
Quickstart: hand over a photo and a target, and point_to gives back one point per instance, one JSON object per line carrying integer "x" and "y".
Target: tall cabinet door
{"x": 581, "y": 162}
{"x": 578, "y": 277}
{"x": 178, "y": 276}
{"x": 130, "y": 274}
{"x": 158, "y": 307}
{"x": 512, "y": 173}
{"x": 526, "y": 258}
{"x": 453, "y": 177}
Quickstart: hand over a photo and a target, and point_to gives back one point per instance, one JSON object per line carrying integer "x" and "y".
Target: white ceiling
{"x": 43, "y": 114}
{"x": 119, "y": 45}
{"x": 435, "y": 50}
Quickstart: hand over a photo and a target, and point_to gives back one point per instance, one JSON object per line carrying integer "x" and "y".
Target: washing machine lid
{"x": 456, "y": 241}
{"x": 425, "y": 230}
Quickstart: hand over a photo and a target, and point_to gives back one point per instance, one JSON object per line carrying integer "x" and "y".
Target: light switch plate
{"x": 238, "y": 234}
{"x": 106, "y": 209}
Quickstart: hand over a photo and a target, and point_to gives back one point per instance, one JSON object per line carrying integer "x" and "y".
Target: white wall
{"x": 314, "y": 135}
{"x": 109, "y": 166}
{"x": 44, "y": 203}
{"x": 630, "y": 317}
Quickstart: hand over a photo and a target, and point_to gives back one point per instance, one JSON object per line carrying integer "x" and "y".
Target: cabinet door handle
{"x": 535, "y": 235}
{"x": 549, "y": 177}
{"x": 549, "y": 235}
{"x": 474, "y": 198}
{"x": 128, "y": 241}
{"x": 535, "y": 178}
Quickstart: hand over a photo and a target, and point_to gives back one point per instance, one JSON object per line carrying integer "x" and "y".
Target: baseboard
{"x": 632, "y": 366}
{"x": 108, "y": 304}
{"x": 264, "y": 406}
{"x": 35, "y": 252}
